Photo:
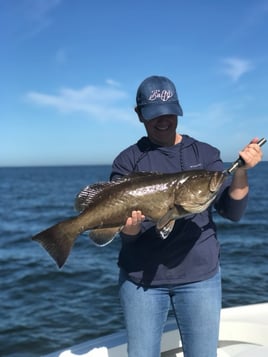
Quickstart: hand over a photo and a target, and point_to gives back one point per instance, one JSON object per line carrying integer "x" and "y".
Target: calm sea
{"x": 44, "y": 309}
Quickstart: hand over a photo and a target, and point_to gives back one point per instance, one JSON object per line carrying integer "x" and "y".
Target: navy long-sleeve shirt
{"x": 191, "y": 252}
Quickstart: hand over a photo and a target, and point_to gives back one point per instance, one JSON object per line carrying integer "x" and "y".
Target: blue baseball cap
{"x": 157, "y": 96}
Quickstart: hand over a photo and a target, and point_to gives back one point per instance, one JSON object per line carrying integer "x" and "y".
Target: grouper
{"x": 104, "y": 207}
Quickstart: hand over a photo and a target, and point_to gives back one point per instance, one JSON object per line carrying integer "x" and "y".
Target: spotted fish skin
{"x": 104, "y": 207}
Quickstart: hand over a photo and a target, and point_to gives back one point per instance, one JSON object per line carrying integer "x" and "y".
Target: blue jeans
{"x": 197, "y": 309}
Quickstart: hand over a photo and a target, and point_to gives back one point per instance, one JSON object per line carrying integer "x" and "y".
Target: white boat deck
{"x": 243, "y": 333}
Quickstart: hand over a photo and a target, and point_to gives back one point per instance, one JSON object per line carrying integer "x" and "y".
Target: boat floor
{"x": 243, "y": 333}
{"x": 229, "y": 349}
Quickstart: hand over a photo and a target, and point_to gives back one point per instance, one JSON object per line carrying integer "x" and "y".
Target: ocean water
{"x": 44, "y": 309}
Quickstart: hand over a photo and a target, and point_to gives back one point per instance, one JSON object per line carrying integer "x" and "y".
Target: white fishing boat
{"x": 243, "y": 333}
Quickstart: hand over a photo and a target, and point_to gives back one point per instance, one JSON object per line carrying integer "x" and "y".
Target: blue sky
{"x": 70, "y": 70}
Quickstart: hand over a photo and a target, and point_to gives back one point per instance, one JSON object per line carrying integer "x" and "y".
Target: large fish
{"x": 162, "y": 198}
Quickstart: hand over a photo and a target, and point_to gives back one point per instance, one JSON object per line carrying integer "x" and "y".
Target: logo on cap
{"x": 163, "y": 95}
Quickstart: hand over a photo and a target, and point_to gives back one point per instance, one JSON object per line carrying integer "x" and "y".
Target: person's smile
{"x": 162, "y": 130}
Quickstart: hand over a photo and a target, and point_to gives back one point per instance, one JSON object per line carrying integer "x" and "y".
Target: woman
{"x": 183, "y": 270}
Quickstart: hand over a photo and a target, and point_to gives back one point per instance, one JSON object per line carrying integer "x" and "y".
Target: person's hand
{"x": 251, "y": 154}
{"x": 133, "y": 224}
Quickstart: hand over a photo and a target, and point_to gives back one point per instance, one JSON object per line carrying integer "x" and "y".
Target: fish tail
{"x": 58, "y": 240}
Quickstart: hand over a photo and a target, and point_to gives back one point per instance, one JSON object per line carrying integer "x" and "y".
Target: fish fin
{"x": 166, "y": 230}
{"x": 58, "y": 240}
{"x": 103, "y": 236}
{"x": 171, "y": 214}
{"x": 88, "y": 194}
{"x": 141, "y": 174}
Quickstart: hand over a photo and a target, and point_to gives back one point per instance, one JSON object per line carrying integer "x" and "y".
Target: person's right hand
{"x": 251, "y": 154}
{"x": 133, "y": 223}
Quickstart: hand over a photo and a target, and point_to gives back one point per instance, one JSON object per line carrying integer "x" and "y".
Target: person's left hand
{"x": 251, "y": 154}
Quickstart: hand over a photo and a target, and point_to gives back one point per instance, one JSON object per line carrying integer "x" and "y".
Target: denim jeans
{"x": 197, "y": 309}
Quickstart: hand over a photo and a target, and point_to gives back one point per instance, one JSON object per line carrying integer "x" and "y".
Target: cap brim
{"x": 151, "y": 111}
